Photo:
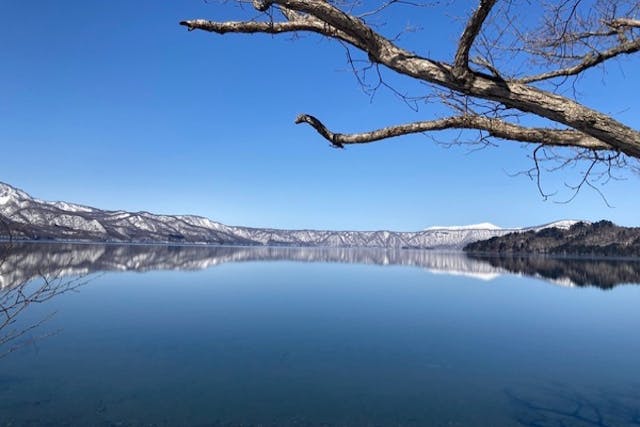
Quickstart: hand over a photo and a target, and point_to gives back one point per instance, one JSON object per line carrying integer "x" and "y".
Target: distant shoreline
{"x": 598, "y": 240}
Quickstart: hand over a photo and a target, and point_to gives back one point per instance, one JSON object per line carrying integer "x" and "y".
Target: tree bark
{"x": 582, "y": 127}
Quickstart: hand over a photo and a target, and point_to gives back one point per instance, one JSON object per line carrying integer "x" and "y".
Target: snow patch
{"x": 562, "y": 224}
{"x": 70, "y": 207}
{"x": 9, "y": 194}
{"x": 481, "y": 226}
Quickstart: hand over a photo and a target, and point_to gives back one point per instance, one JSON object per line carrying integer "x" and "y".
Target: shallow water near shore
{"x": 285, "y": 337}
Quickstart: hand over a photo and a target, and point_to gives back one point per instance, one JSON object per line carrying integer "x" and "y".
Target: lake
{"x": 112, "y": 335}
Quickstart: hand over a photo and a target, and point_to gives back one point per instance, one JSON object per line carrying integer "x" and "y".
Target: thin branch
{"x": 590, "y": 60}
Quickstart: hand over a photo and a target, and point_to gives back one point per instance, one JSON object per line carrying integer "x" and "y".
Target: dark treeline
{"x": 601, "y": 238}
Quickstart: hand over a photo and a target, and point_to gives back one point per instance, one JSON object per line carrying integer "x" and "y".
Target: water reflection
{"x": 22, "y": 262}
{"x": 293, "y": 345}
{"x": 22, "y": 292}
{"x": 603, "y": 273}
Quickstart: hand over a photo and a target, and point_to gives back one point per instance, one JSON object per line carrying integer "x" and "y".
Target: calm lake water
{"x": 157, "y": 336}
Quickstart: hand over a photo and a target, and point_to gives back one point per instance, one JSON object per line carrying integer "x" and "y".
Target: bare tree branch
{"x": 590, "y": 60}
{"x": 571, "y": 37}
{"x": 625, "y": 22}
{"x": 496, "y": 128}
{"x": 249, "y": 27}
{"x": 471, "y": 31}
{"x": 332, "y": 22}
{"x": 17, "y": 298}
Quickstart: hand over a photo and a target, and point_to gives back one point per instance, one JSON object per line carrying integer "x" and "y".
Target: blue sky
{"x": 112, "y": 104}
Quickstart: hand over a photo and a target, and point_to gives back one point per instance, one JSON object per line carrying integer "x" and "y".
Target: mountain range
{"x": 23, "y": 217}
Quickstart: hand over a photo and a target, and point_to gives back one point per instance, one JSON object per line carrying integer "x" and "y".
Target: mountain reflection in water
{"x": 21, "y": 262}
{"x": 292, "y": 344}
{"x": 604, "y": 273}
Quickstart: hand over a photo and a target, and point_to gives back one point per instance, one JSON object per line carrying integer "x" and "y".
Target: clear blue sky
{"x": 112, "y": 104}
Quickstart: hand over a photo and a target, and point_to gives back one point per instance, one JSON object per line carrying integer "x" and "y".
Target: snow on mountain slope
{"x": 562, "y": 224}
{"x": 24, "y": 217}
{"x": 30, "y": 218}
{"x": 481, "y": 226}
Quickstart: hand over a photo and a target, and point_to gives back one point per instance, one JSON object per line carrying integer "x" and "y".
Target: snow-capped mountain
{"x": 562, "y": 224}
{"x": 24, "y": 217}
